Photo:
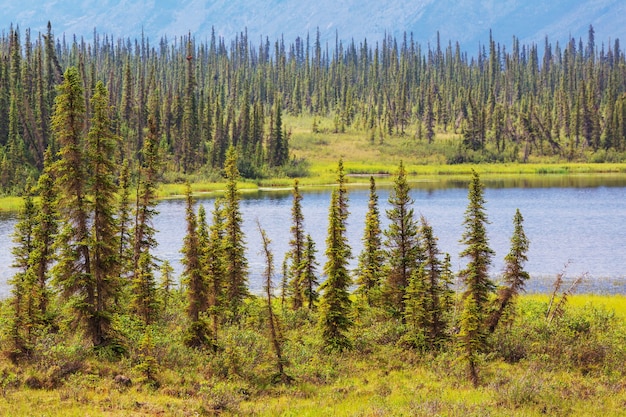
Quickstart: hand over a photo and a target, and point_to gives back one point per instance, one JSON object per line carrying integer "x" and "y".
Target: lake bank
{"x": 421, "y": 176}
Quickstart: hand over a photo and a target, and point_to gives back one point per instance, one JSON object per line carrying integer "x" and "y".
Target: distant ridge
{"x": 465, "y": 21}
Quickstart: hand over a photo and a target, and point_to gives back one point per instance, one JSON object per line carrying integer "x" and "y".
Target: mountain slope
{"x": 466, "y": 21}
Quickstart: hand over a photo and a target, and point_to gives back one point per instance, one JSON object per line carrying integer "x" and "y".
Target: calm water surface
{"x": 582, "y": 225}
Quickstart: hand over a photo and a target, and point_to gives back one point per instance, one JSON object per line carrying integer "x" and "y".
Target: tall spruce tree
{"x": 236, "y": 265}
{"x": 427, "y": 295}
{"x": 297, "y": 244}
{"x": 44, "y": 234}
{"x": 475, "y": 276}
{"x": 124, "y": 210}
{"x": 194, "y": 279}
{"x": 335, "y": 301}
{"x": 372, "y": 258}
{"x": 143, "y": 289}
{"x": 101, "y": 148}
{"x": 514, "y": 276}
{"x": 214, "y": 261}
{"x": 73, "y": 271}
{"x": 23, "y": 303}
{"x": 402, "y": 241}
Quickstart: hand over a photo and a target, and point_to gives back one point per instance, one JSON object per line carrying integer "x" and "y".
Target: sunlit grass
{"x": 179, "y": 190}
{"x": 385, "y": 379}
{"x": 11, "y": 204}
{"x": 615, "y": 303}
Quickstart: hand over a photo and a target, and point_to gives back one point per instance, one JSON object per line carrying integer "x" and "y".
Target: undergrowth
{"x": 572, "y": 365}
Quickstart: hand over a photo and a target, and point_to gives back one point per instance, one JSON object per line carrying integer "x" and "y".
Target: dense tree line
{"x": 205, "y": 96}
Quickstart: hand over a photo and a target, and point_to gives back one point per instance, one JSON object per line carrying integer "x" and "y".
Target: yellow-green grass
{"x": 11, "y": 204}
{"x": 179, "y": 190}
{"x": 364, "y": 156}
{"x": 386, "y": 380}
{"x": 614, "y": 303}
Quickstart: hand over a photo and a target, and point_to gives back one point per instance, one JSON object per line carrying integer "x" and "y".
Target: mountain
{"x": 465, "y": 21}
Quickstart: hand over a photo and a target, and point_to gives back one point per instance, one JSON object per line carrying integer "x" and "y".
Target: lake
{"x": 578, "y": 221}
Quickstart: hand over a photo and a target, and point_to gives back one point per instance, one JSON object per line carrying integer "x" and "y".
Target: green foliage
{"x": 514, "y": 275}
{"x": 371, "y": 260}
{"x": 404, "y": 254}
{"x": 297, "y": 247}
{"x": 335, "y": 302}
{"x": 478, "y": 285}
{"x": 433, "y": 103}
{"x": 235, "y": 263}
{"x": 195, "y": 242}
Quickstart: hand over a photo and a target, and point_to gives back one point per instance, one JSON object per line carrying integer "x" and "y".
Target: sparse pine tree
{"x": 335, "y": 302}
{"x": 194, "y": 279}
{"x": 105, "y": 263}
{"x": 297, "y": 244}
{"x": 308, "y": 271}
{"x": 475, "y": 276}
{"x": 403, "y": 250}
{"x": 372, "y": 258}
{"x": 272, "y": 320}
{"x": 514, "y": 275}
{"x": 167, "y": 282}
{"x": 235, "y": 262}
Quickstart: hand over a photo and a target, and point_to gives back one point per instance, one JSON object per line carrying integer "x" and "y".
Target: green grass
{"x": 570, "y": 367}
{"x": 11, "y": 204}
{"x": 362, "y": 156}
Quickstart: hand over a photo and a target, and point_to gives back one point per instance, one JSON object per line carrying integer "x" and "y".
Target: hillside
{"x": 467, "y": 21}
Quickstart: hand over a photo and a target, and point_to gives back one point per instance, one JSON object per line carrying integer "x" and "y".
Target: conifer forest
{"x": 96, "y": 324}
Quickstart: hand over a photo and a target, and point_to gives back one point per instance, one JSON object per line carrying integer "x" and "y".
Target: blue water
{"x": 581, "y": 227}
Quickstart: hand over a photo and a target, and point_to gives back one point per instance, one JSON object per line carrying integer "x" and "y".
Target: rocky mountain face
{"x": 465, "y": 21}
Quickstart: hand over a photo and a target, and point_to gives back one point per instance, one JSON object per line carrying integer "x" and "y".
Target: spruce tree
{"x": 144, "y": 301}
{"x": 44, "y": 234}
{"x": 308, "y": 276}
{"x": 101, "y": 147}
{"x": 514, "y": 275}
{"x": 22, "y": 302}
{"x": 437, "y": 288}
{"x": 167, "y": 282}
{"x": 73, "y": 272}
{"x": 235, "y": 263}
{"x": 272, "y": 320}
{"x": 143, "y": 287}
{"x": 214, "y": 261}
{"x": 297, "y": 244}
{"x": 475, "y": 276}
{"x": 403, "y": 251}
{"x": 335, "y": 301}
{"x": 125, "y": 222}
{"x": 371, "y": 259}
{"x": 194, "y": 279}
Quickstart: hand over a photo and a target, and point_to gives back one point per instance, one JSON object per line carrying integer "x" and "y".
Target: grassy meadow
{"x": 363, "y": 154}
{"x": 573, "y": 365}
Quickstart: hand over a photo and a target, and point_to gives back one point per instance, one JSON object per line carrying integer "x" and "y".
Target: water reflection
{"x": 578, "y": 219}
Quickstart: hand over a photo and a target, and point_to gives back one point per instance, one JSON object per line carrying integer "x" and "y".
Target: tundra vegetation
{"x": 95, "y": 324}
